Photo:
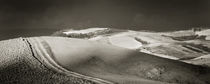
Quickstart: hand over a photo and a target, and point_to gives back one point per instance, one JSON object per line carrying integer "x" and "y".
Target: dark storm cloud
{"x": 136, "y": 14}
{"x": 25, "y": 5}
{"x": 17, "y": 12}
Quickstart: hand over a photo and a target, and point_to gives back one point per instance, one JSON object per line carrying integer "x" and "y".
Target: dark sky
{"x": 157, "y": 15}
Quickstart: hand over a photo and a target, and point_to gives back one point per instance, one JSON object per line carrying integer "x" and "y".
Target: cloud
{"x": 101, "y": 13}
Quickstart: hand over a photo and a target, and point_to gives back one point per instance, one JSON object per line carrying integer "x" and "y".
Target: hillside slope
{"x": 167, "y": 57}
{"x": 181, "y": 45}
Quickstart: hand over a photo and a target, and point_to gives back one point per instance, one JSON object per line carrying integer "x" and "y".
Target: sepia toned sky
{"x": 157, "y": 15}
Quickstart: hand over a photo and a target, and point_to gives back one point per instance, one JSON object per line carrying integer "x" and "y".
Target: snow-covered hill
{"x": 180, "y": 45}
{"x": 162, "y": 57}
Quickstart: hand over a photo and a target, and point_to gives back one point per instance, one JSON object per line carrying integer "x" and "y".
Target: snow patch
{"x": 202, "y": 57}
{"x": 84, "y": 31}
{"x": 124, "y": 40}
{"x": 204, "y": 33}
{"x": 159, "y": 55}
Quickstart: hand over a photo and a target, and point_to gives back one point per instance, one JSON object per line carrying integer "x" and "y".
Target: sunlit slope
{"x": 177, "y": 45}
